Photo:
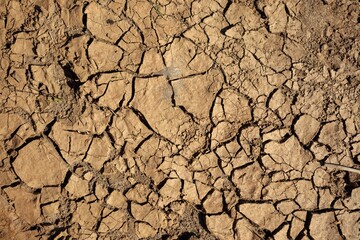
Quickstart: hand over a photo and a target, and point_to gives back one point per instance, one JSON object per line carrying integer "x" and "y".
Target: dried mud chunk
{"x": 170, "y": 191}
{"x": 9, "y": 123}
{"x": 283, "y": 232}
{"x": 153, "y": 149}
{"x": 72, "y": 17}
{"x": 116, "y": 220}
{"x": 4, "y": 65}
{"x": 280, "y": 191}
{"x": 100, "y": 191}
{"x": 321, "y": 178}
{"x": 177, "y": 164}
{"x": 28, "y": 235}
{"x": 2, "y": 38}
{"x": 289, "y": 153}
{"x": 222, "y": 132}
{"x": 86, "y": 214}
{"x": 255, "y": 86}
{"x": 170, "y": 122}
{"x": 230, "y": 163}
{"x": 296, "y": 227}
{"x": 166, "y": 33}
{"x": 277, "y": 17}
{"x": 294, "y": 50}
{"x": 352, "y": 202}
{"x": 197, "y": 35}
{"x": 16, "y": 15}
{"x": 126, "y": 127}
{"x": 221, "y": 226}
{"x": 277, "y": 60}
{"x": 93, "y": 120}
{"x": 250, "y": 140}
{"x": 51, "y": 210}
{"x": 287, "y": 207}
{"x": 117, "y": 199}
{"x": 323, "y": 226}
{"x": 99, "y": 152}
{"x": 236, "y": 31}
{"x": 117, "y": 5}
{"x": 312, "y": 102}
{"x": 49, "y": 194}
{"x": 105, "y": 24}
{"x": 140, "y": 13}
{"x": 104, "y": 56}
{"x": 148, "y": 214}
{"x": 263, "y": 214}
{"x": 38, "y": 164}
{"x": 204, "y": 162}
{"x": 17, "y": 77}
{"x": 198, "y": 10}
{"x": 214, "y": 203}
{"x": 151, "y": 170}
{"x": 185, "y": 56}
{"x": 355, "y": 148}
{"x": 247, "y": 17}
{"x": 23, "y": 46}
{"x": 27, "y": 205}
{"x": 319, "y": 150}
{"x": 248, "y": 180}
{"x": 52, "y": 77}
{"x": 144, "y": 230}
{"x": 212, "y": 24}
{"x": 306, "y": 195}
{"x": 76, "y": 54}
{"x": 116, "y": 88}
{"x": 261, "y": 42}
{"x": 349, "y": 224}
{"x": 220, "y": 182}
{"x": 138, "y": 193}
{"x": 231, "y": 106}
{"x": 152, "y": 62}
{"x": 140, "y": 211}
{"x": 332, "y": 134}
{"x": 280, "y": 102}
{"x": 197, "y": 93}
{"x": 190, "y": 193}
{"x": 63, "y": 136}
{"x": 203, "y": 182}
{"x": 306, "y": 128}
{"x": 133, "y": 50}
{"x": 194, "y": 139}
{"x": 246, "y": 231}
{"x": 9, "y": 227}
{"x": 267, "y": 49}
{"x": 6, "y": 177}
{"x": 77, "y": 187}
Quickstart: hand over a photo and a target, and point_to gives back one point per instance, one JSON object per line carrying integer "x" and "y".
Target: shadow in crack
{"x": 72, "y": 79}
{"x": 186, "y": 235}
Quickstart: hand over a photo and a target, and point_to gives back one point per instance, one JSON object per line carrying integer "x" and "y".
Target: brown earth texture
{"x": 179, "y": 119}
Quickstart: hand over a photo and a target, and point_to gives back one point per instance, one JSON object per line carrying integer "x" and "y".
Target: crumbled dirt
{"x": 184, "y": 119}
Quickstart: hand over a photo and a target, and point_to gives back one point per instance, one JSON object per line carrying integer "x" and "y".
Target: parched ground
{"x": 183, "y": 119}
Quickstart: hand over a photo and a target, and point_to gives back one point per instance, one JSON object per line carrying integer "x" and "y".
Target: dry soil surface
{"x": 183, "y": 119}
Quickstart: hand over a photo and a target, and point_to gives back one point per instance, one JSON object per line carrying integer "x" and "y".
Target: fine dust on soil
{"x": 183, "y": 119}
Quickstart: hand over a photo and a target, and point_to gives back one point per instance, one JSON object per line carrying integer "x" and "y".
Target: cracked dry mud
{"x": 184, "y": 119}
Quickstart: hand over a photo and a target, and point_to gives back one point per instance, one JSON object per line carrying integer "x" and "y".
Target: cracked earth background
{"x": 179, "y": 119}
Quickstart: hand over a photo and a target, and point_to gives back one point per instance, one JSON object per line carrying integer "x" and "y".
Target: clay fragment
{"x": 38, "y": 164}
